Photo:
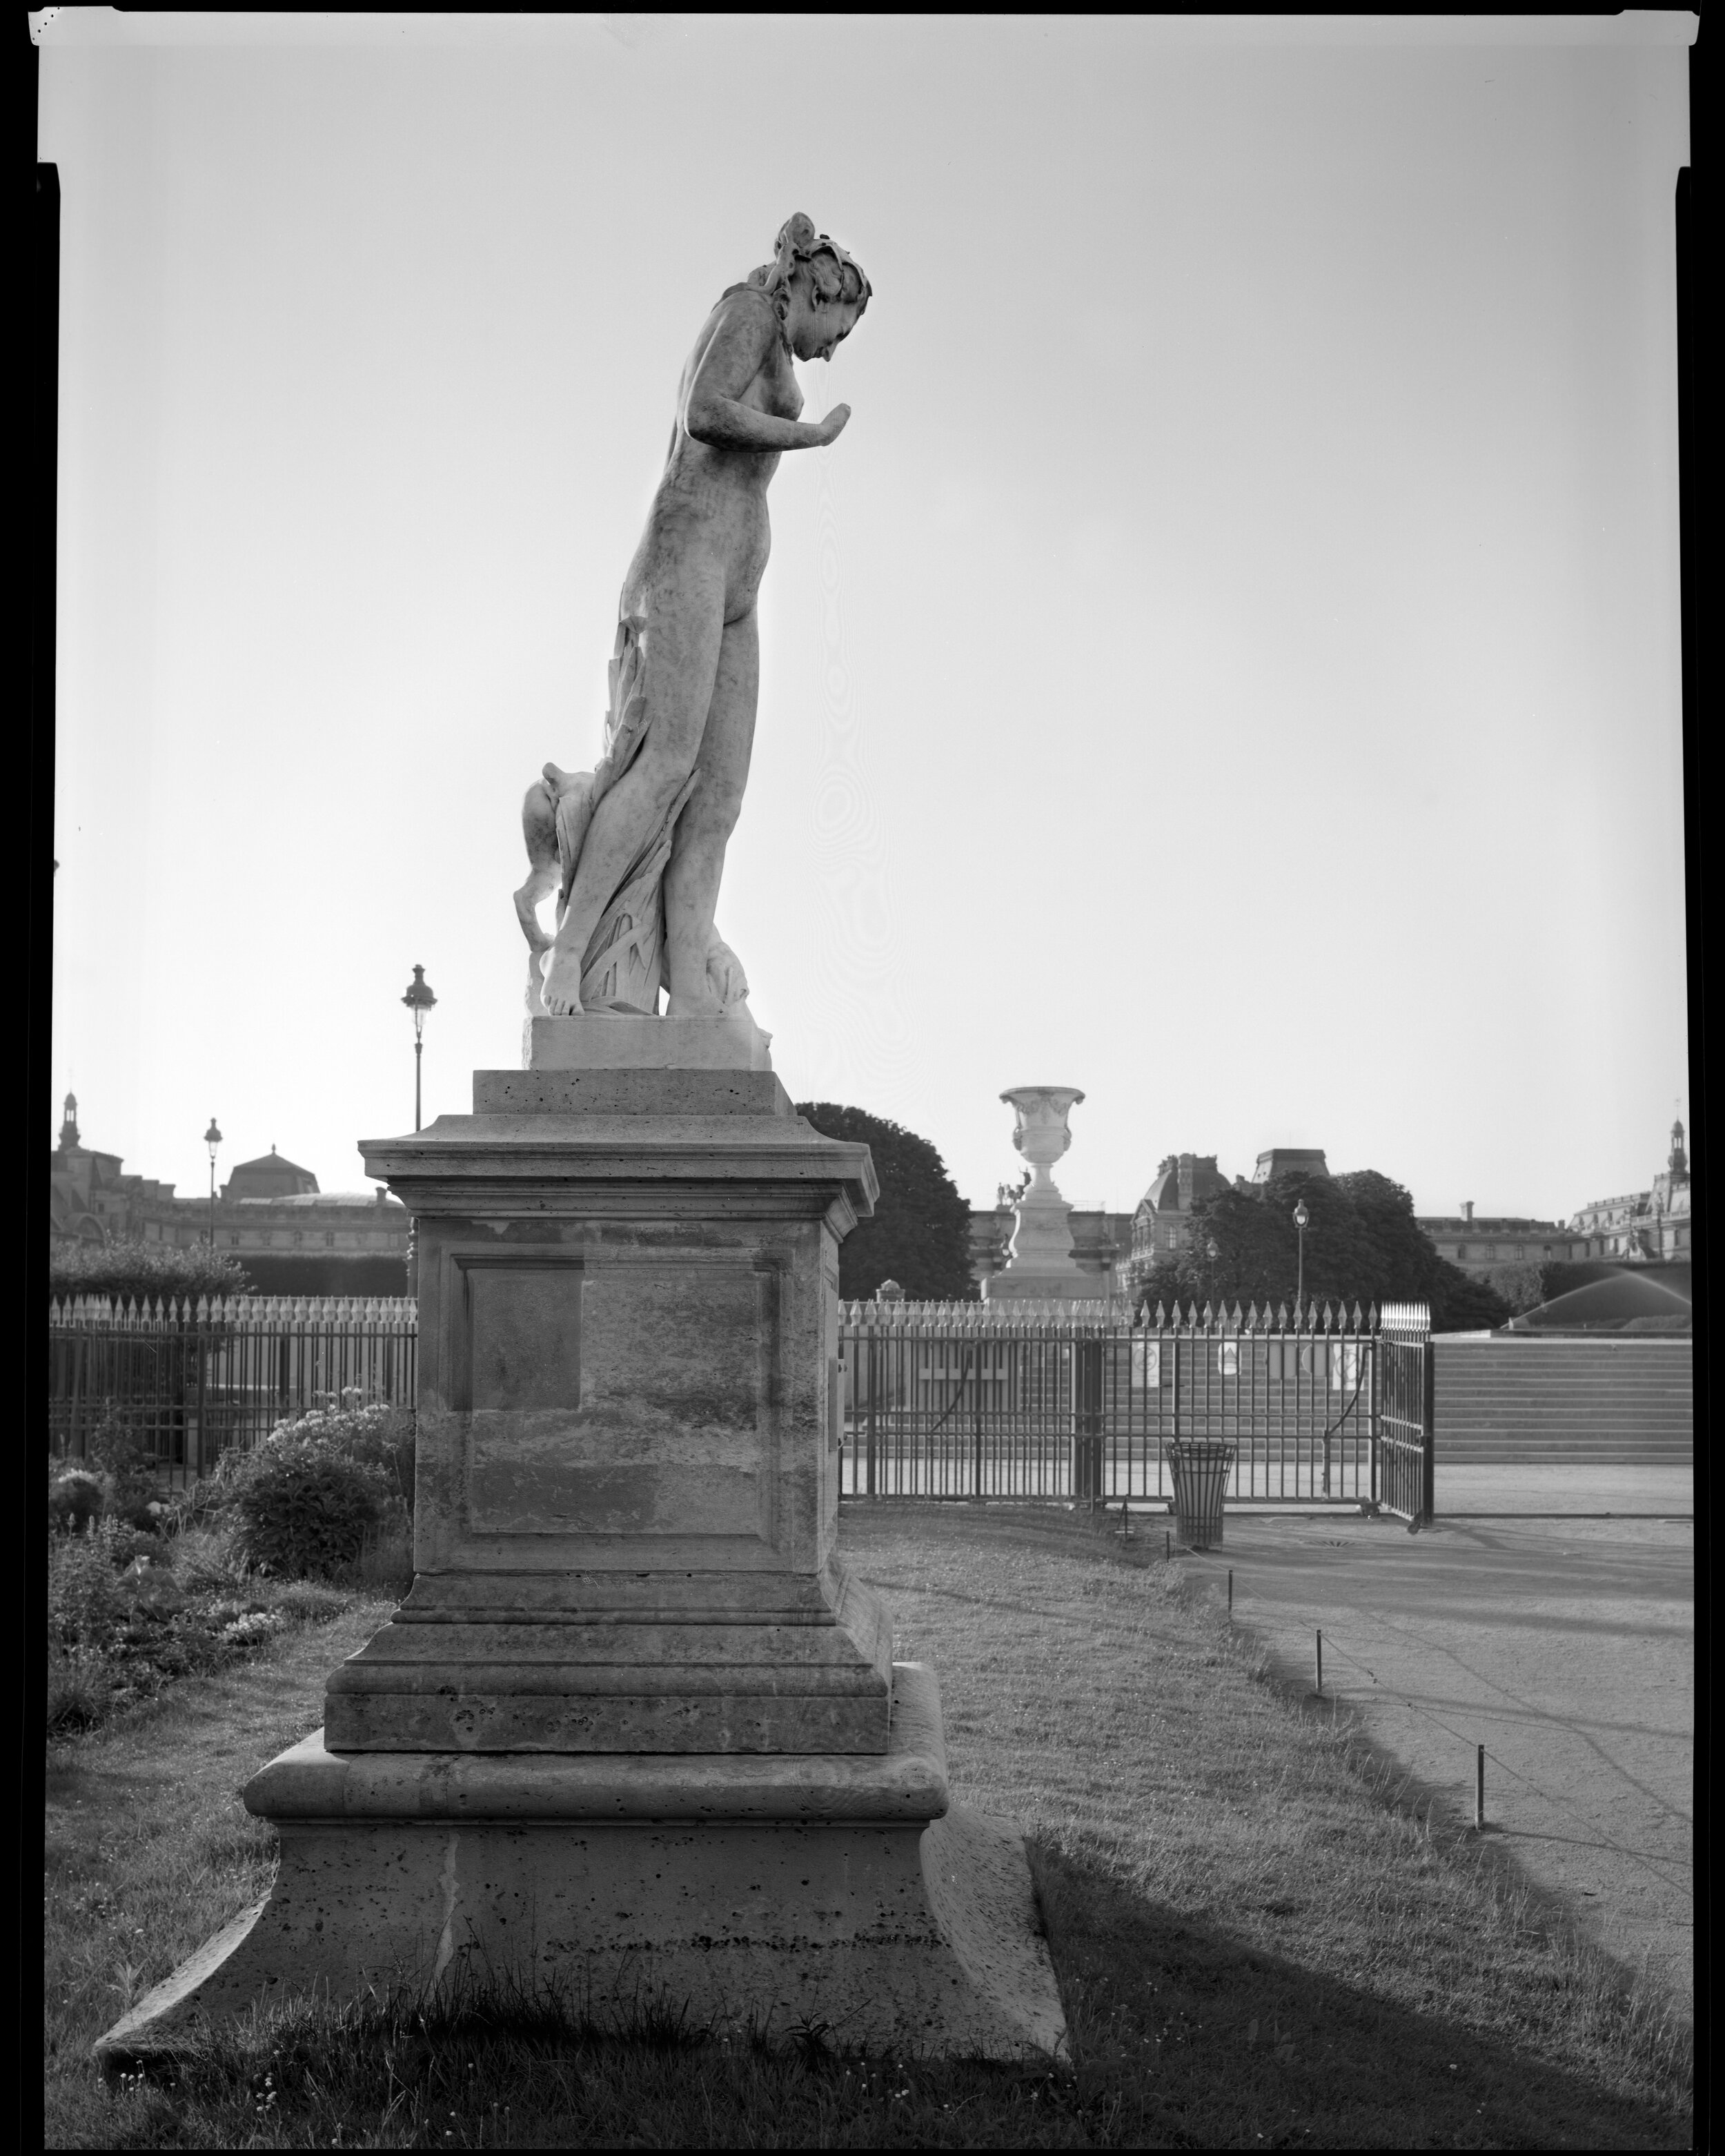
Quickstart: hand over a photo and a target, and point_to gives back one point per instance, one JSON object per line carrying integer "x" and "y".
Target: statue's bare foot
{"x": 562, "y": 983}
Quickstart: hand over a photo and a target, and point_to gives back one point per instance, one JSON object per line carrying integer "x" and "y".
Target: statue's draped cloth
{"x": 624, "y": 967}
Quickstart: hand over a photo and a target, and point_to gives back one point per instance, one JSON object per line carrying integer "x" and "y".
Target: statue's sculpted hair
{"x": 835, "y": 274}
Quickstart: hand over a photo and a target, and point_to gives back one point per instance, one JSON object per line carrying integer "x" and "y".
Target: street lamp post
{"x": 1302, "y": 1220}
{"x": 212, "y": 1138}
{"x": 1212, "y": 1252}
{"x": 418, "y": 999}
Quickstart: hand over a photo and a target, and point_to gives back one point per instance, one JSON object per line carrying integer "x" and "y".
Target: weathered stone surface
{"x": 761, "y": 1891}
{"x": 607, "y": 1090}
{"x": 628, "y": 1329}
{"x": 614, "y": 1675}
{"x": 614, "y": 1042}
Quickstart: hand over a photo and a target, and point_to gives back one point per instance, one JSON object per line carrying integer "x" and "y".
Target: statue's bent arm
{"x": 714, "y": 413}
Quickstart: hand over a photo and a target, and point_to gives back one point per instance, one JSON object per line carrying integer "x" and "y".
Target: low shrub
{"x": 74, "y": 1499}
{"x": 375, "y": 1435}
{"x": 87, "y": 1603}
{"x": 128, "y": 1268}
{"x": 301, "y": 1507}
{"x": 135, "y": 1488}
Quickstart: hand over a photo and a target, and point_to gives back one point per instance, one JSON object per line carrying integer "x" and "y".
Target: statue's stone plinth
{"x": 627, "y": 1480}
{"x": 634, "y": 1731}
{"x": 610, "y": 1042}
{"x": 739, "y": 1892}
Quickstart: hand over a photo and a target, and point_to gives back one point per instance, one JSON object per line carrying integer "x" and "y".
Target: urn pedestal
{"x": 635, "y": 1735}
{"x": 1041, "y": 1267}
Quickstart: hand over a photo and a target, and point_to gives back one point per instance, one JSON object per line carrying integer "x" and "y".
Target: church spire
{"x": 69, "y": 1125}
{"x": 1678, "y": 1162}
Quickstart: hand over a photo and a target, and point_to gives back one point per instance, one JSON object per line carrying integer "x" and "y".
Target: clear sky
{"x": 1229, "y": 663}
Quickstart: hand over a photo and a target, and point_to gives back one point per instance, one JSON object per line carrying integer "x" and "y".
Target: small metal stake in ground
{"x": 1479, "y": 1789}
{"x": 1230, "y": 1590}
{"x": 1320, "y": 1664}
{"x": 1167, "y": 1545}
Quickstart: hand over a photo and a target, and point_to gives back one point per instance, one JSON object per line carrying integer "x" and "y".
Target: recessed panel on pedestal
{"x": 653, "y": 1416}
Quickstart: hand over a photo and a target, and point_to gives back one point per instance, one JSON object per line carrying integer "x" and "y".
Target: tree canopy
{"x": 920, "y": 1233}
{"x": 1363, "y": 1244}
{"x": 129, "y": 1266}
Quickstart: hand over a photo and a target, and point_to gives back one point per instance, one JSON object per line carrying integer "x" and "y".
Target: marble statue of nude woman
{"x": 634, "y": 849}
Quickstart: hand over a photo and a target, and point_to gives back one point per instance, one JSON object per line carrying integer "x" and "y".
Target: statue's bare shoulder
{"x": 739, "y": 351}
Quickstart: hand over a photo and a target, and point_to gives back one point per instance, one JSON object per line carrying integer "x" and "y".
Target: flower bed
{"x": 124, "y": 1624}
{"x": 144, "y": 1588}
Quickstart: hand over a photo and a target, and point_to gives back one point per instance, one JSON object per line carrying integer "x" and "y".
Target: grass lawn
{"x": 1257, "y": 1945}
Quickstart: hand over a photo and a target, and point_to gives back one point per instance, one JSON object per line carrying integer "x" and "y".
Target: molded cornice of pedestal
{"x": 553, "y": 1142}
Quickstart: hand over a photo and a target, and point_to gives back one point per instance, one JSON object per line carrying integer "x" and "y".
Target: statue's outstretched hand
{"x": 834, "y": 425}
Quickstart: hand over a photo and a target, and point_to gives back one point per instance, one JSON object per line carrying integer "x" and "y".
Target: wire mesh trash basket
{"x": 1200, "y": 1468}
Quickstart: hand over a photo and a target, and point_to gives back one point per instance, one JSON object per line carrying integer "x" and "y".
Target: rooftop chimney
{"x": 1467, "y": 1210}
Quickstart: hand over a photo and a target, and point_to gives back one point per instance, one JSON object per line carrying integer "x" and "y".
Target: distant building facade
{"x": 1650, "y": 1226}
{"x": 1162, "y": 1224}
{"x": 290, "y": 1237}
{"x": 1639, "y": 1227}
{"x": 1478, "y": 1244}
{"x": 1646, "y": 1227}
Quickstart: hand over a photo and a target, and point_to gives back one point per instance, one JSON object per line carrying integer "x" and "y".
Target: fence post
{"x": 874, "y": 1395}
{"x": 977, "y": 1355}
{"x": 1087, "y": 1418}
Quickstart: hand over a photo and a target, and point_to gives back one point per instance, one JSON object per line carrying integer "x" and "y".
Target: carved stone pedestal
{"x": 634, "y": 1734}
{"x": 1040, "y": 1267}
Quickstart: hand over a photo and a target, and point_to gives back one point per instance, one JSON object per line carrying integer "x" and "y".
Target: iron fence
{"x": 1070, "y": 1401}
{"x": 189, "y": 1378}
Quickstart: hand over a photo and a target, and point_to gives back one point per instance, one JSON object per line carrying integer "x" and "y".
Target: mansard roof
{"x": 1163, "y": 1195}
{"x": 271, "y": 1175}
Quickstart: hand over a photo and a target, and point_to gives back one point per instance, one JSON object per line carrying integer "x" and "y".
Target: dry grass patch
{"x": 1256, "y": 1945}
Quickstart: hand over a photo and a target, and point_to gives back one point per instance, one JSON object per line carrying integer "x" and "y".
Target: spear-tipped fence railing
{"x": 189, "y": 1377}
{"x": 1070, "y": 1400}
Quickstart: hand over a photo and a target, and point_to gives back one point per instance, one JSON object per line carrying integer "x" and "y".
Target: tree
{"x": 1363, "y": 1244}
{"x": 920, "y": 1232}
{"x": 128, "y": 1266}
{"x": 1525, "y": 1286}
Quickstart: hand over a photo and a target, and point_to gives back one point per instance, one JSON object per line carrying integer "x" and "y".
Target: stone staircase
{"x": 1623, "y": 1400}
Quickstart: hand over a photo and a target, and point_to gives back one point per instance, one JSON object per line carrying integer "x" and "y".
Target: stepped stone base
{"x": 604, "y": 1662}
{"x": 760, "y": 1892}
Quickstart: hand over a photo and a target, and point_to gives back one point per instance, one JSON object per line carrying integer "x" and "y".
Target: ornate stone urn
{"x": 1039, "y": 1266}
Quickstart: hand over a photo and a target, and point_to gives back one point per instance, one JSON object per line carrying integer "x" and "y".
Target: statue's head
{"x": 820, "y": 291}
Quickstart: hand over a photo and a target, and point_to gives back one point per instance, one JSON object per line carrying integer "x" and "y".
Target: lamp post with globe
{"x": 418, "y": 999}
{"x": 1302, "y": 1221}
{"x": 212, "y": 1138}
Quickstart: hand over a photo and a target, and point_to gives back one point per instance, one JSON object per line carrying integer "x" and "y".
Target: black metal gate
{"x": 967, "y": 1400}
{"x": 1404, "y": 1413}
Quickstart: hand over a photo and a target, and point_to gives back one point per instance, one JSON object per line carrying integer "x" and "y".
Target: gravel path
{"x": 1565, "y": 1645}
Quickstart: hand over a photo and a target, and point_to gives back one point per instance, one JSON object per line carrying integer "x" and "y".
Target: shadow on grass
{"x": 1208, "y": 2041}
{"x": 1184, "y": 2037}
